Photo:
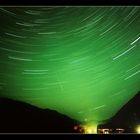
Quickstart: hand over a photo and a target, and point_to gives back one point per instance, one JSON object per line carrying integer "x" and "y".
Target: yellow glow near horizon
{"x": 138, "y": 129}
{"x": 90, "y": 129}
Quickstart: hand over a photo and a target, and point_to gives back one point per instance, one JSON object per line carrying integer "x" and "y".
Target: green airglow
{"x": 81, "y": 61}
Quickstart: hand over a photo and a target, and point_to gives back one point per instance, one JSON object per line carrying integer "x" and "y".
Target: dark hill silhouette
{"x": 20, "y": 117}
{"x": 128, "y": 117}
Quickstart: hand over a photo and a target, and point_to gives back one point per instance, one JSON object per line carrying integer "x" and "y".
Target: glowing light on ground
{"x": 138, "y": 129}
{"x": 90, "y": 129}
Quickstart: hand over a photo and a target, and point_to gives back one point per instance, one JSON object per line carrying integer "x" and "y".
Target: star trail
{"x": 81, "y": 61}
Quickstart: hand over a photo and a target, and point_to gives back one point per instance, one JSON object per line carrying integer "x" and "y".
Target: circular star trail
{"x": 81, "y": 61}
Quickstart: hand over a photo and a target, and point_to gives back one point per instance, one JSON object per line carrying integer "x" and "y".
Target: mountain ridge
{"x": 128, "y": 117}
{"x": 20, "y": 117}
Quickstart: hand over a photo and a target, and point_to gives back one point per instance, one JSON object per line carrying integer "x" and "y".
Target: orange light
{"x": 75, "y": 127}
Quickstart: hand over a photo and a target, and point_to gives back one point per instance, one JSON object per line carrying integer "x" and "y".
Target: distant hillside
{"x": 20, "y": 117}
{"x": 127, "y": 117}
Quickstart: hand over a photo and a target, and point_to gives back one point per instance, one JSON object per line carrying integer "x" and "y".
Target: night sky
{"x": 83, "y": 62}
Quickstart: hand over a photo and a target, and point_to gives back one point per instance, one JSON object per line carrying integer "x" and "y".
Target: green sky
{"x": 81, "y": 61}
